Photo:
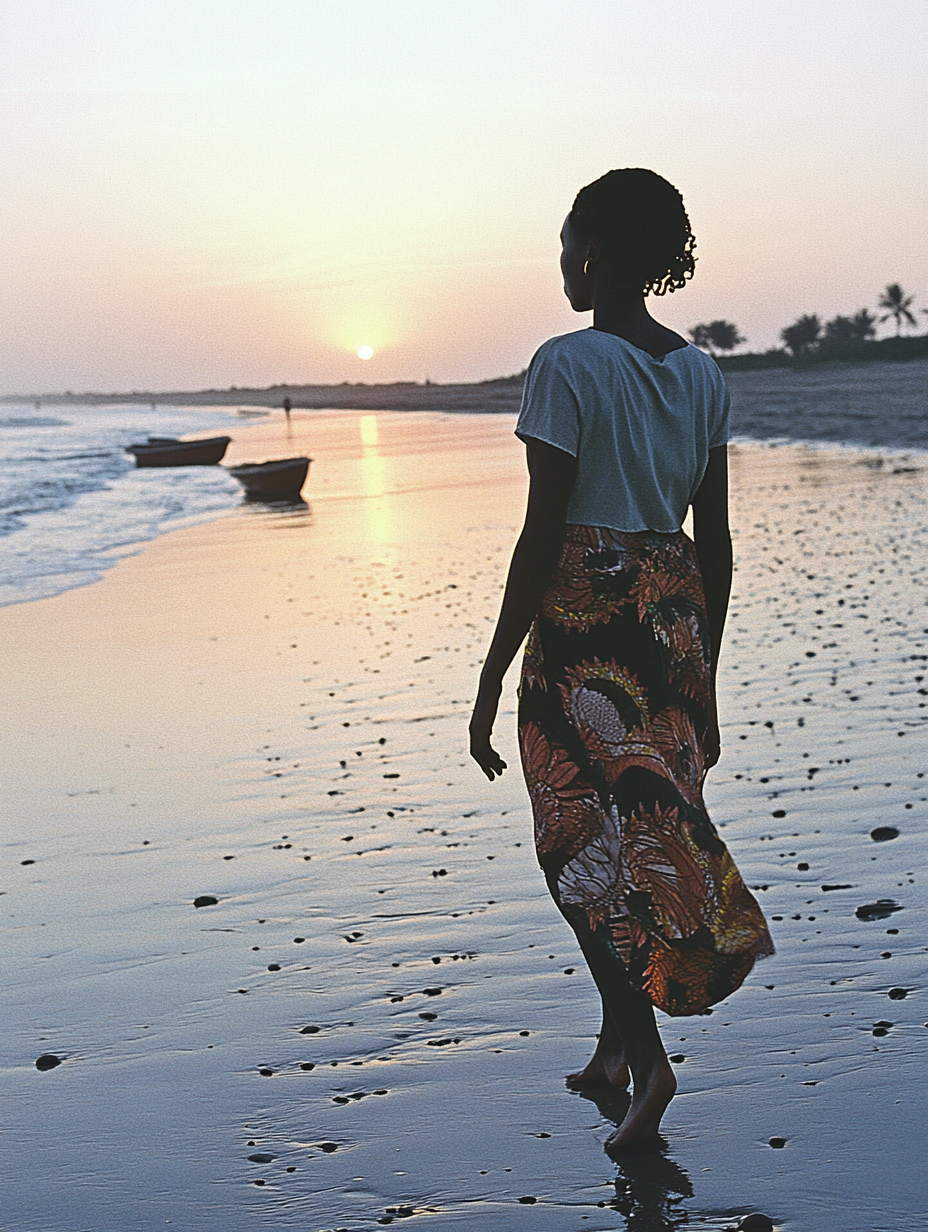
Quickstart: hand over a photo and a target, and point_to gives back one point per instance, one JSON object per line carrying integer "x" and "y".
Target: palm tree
{"x": 898, "y": 306}
{"x": 716, "y": 336}
{"x": 802, "y": 336}
{"x": 845, "y": 333}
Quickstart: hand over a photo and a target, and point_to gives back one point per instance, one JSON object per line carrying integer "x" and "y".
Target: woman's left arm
{"x": 552, "y": 474}
{"x": 712, "y": 539}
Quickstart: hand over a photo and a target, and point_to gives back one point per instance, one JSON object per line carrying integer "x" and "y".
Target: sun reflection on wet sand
{"x": 374, "y": 481}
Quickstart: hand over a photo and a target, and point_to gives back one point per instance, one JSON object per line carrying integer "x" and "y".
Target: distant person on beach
{"x": 625, "y": 426}
{"x": 287, "y": 405}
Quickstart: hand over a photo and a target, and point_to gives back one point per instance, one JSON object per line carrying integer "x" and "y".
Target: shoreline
{"x": 269, "y": 709}
{"x": 769, "y": 410}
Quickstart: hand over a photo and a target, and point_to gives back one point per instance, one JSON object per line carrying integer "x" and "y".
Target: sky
{"x": 207, "y": 193}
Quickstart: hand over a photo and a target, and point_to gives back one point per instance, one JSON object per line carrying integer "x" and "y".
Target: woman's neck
{"x": 622, "y": 311}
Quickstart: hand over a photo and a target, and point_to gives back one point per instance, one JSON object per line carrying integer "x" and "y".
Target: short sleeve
{"x": 550, "y": 409}
{"x": 721, "y": 429}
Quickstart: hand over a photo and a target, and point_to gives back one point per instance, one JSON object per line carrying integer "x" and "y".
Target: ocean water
{"x": 72, "y": 502}
{"x": 874, "y": 406}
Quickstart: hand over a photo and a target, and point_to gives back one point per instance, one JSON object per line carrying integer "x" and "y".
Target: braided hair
{"x": 639, "y": 220}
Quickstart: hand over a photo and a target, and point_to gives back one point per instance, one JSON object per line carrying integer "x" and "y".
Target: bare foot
{"x": 639, "y": 1130}
{"x": 605, "y": 1069}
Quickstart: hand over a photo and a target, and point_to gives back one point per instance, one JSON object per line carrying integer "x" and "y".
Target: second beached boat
{"x": 272, "y": 481}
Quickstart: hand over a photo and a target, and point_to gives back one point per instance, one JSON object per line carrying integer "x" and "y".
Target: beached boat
{"x": 272, "y": 481}
{"x": 167, "y": 451}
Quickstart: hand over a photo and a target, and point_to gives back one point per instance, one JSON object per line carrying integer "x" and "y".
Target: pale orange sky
{"x": 237, "y": 192}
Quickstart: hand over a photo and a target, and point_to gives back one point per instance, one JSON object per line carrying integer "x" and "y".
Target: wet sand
{"x": 372, "y": 1021}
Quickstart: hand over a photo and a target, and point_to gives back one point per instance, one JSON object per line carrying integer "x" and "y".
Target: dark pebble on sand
{"x": 47, "y": 1061}
{"x": 259, "y": 1181}
{"x": 24, "y": 862}
{"x": 273, "y": 967}
{"x": 897, "y": 994}
{"x": 803, "y": 867}
{"x": 266, "y": 1073}
{"x": 428, "y": 1016}
{"x": 205, "y": 900}
{"x": 678, "y": 1058}
{"x": 261, "y": 1158}
{"x": 525, "y": 1033}
{"x": 307, "y": 1065}
{"x": 880, "y": 1031}
{"x": 755, "y": 1223}
{"x": 778, "y": 1143}
{"x": 778, "y": 813}
{"x": 310, "y": 1030}
{"x": 528, "y": 1200}
{"x": 327, "y": 1147}
{"x": 431, "y": 992}
{"x": 882, "y": 909}
{"x": 882, "y": 834}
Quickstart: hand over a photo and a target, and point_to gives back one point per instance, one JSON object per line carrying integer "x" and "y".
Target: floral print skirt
{"x": 613, "y": 707}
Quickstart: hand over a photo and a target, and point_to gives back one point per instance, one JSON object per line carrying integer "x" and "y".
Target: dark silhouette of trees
{"x": 716, "y": 336}
{"x": 842, "y": 334}
{"x": 864, "y": 323}
{"x": 802, "y": 336}
{"x": 898, "y": 306}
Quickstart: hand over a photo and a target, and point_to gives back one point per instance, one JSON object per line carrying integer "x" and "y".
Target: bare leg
{"x": 606, "y": 1068}
{"x": 632, "y": 1014}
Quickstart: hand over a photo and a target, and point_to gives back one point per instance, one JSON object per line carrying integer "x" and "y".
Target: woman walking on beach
{"x": 626, "y": 426}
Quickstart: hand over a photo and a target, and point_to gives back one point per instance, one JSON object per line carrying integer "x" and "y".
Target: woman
{"x": 626, "y": 426}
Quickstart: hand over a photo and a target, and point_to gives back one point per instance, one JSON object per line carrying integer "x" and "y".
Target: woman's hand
{"x": 481, "y": 728}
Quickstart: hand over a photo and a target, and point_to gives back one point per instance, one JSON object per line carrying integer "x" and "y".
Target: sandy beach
{"x": 369, "y": 1017}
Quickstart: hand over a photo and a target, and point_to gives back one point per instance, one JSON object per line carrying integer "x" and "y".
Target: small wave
{"x": 69, "y": 457}
{"x": 34, "y": 421}
{"x": 72, "y": 503}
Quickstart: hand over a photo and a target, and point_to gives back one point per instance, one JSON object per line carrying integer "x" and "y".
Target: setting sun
{"x": 365, "y": 352}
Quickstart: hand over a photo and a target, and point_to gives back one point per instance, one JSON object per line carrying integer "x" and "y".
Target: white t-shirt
{"x": 640, "y": 428}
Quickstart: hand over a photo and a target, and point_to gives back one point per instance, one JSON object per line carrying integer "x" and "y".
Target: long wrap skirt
{"x": 614, "y": 703}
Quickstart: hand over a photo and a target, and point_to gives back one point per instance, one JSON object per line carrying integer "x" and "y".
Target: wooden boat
{"x": 167, "y": 451}
{"x": 272, "y": 481}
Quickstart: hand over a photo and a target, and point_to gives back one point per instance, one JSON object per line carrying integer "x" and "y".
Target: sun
{"x": 365, "y": 352}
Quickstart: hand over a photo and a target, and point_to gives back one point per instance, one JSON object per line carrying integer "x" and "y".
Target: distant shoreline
{"x": 500, "y": 394}
{"x": 489, "y": 396}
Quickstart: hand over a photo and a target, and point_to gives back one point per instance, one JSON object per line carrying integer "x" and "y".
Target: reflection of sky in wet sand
{"x": 226, "y": 694}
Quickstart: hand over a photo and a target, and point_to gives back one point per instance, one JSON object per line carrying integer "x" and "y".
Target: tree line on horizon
{"x": 809, "y": 335}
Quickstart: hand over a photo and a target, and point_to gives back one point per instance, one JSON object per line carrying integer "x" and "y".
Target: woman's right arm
{"x": 712, "y": 538}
